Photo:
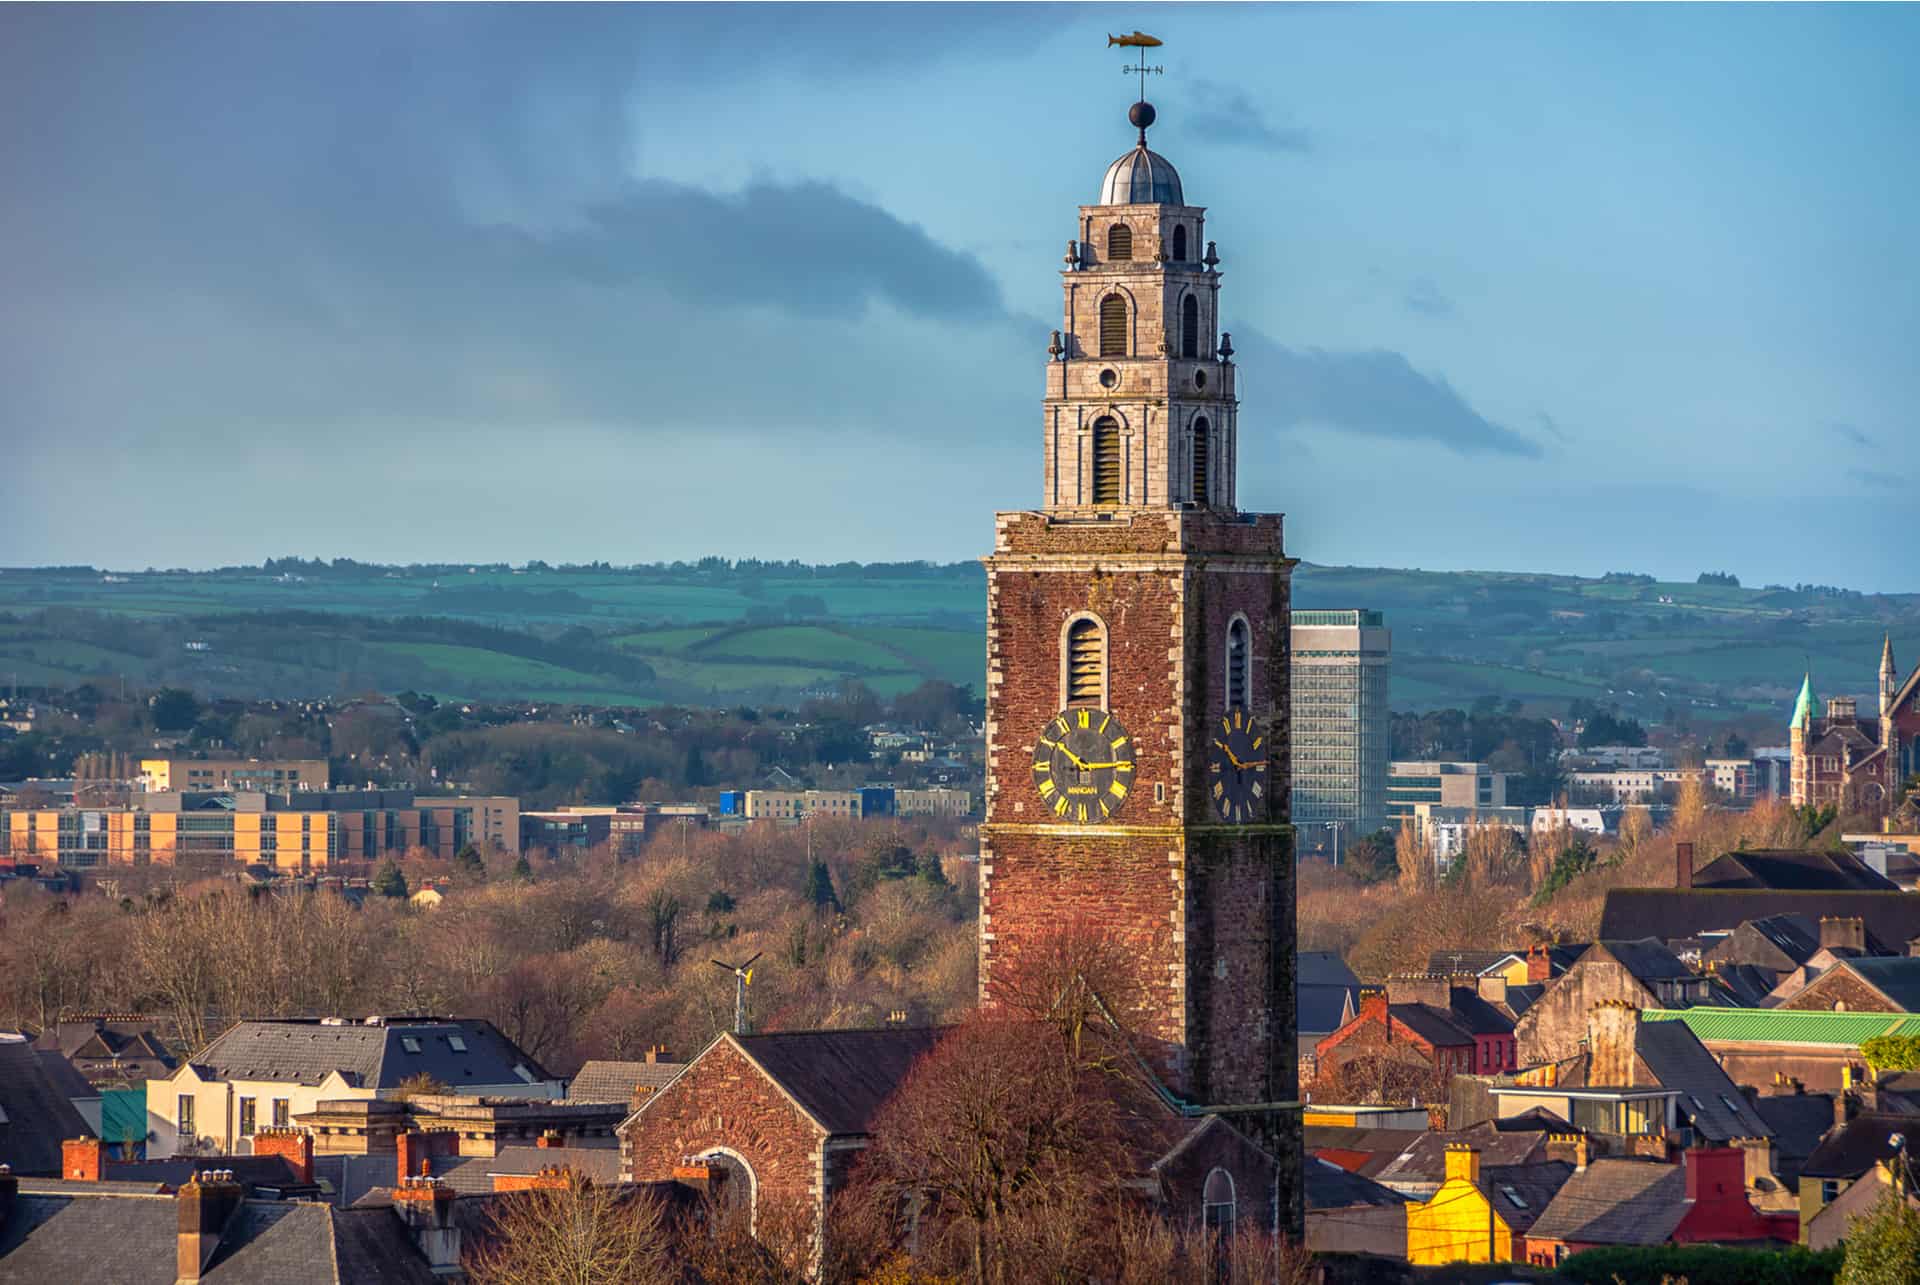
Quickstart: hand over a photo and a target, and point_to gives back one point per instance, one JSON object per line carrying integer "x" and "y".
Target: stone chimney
{"x": 206, "y": 1204}
{"x": 426, "y": 1207}
{"x": 1612, "y": 1036}
{"x": 1492, "y": 988}
{"x": 1683, "y": 865}
{"x": 1570, "y": 1147}
{"x": 295, "y": 1146}
{"x": 80, "y": 1159}
{"x": 1463, "y": 1162}
{"x": 1420, "y": 988}
{"x": 1843, "y": 932}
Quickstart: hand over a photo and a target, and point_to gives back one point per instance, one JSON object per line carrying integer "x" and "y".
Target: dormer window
{"x": 1119, "y": 243}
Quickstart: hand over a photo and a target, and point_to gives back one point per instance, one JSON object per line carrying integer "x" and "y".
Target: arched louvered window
{"x": 1119, "y": 243}
{"x": 1190, "y": 327}
{"x": 1180, "y": 243}
{"x": 1201, "y": 460}
{"x": 1113, "y": 326}
{"x": 1106, "y": 460}
{"x": 1086, "y": 663}
{"x": 1237, "y": 664}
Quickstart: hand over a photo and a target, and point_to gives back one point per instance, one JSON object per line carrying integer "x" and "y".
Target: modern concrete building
{"x": 1342, "y": 736}
{"x": 1473, "y": 786}
{"x": 269, "y": 776}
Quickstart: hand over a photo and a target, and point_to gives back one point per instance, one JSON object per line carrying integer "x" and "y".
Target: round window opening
{"x": 1109, "y": 378}
{"x": 1199, "y": 379}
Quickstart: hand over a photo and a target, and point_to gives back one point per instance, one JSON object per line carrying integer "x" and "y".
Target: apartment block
{"x": 1342, "y": 728}
{"x": 1473, "y": 786}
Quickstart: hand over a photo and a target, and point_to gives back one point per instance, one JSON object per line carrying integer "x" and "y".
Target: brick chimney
{"x": 658, "y": 1053}
{"x": 703, "y": 1176}
{"x": 426, "y": 1207}
{"x": 1612, "y": 1036}
{"x": 415, "y": 1149}
{"x": 1683, "y": 864}
{"x": 1570, "y": 1147}
{"x": 549, "y": 1140}
{"x": 80, "y": 1159}
{"x": 295, "y": 1146}
{"x": 1492, "y": 988}
{"x": 1463, "y": 1162}
{"x": 1843, "y": 932}
{"x": 206, "y": 1204}
{"x": 1539, "y": 966}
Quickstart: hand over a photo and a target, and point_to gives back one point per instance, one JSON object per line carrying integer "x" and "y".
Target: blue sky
{"x": 1575, "y": 288}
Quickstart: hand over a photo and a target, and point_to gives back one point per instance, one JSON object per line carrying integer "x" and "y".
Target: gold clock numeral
{"x": 1043, "y": 765}
{"x": 1214, "y": 767}
{"x": 1257, "y": 740}
{"x": 1218, "y": 789}
{"x": 1258, "y": 790}
{"x": 1115, "y": 746}
{"x": 1060, "y": 806}
{"x": 1085, "y": 719}
{"x": 1105, "y": 811}
{"x": 1046, "y": 789}
{"x": 1102, "y": 729}
{"x": 1083, "y": 812}
{"x": 1226, "y": 728}
{"x": 1117, "y": 790}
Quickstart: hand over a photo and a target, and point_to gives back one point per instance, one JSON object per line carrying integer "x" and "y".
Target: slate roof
{"x": 607, "y": 1081}
{"x": 1678, "y": 1060}
{"x": 113, "y": 1239}
{"x": 1672, "y": 913}
{"x": 1424, "y": 1162}
{"x": 473, "y": 1175}
{"x": 250, "y": 1172}
{"x": 35, "y": 1116}
{"x": 1522, "y": 1192}
{"x": 1798, "y": 1121}
{"x": 1793, "y": 869}
{"x": 1471, "y": 963}
{"x": 1476, "y": 1016}
{"x": 841, "y": 1078}
{"x": 1648, "y": 959}
{"x": 1321, "y": 1010}
{"x": 1741, "y": 985}
{"x": 1324, "y": 968}
{"x": 383, "y": 1056}
{"x": 1328, "y": 1186}
{"x": 1362, "y": 1151}
{"x": 107, "y": 1038}
{"x": 1895, "y": 976}
{"x": 1793, "y": 935}
{"x": 69, "y": 1083}
{"x": 1617, "y": 1202}
{"x": 1434, "y": 1025}
{"x": 1857, "y": 1146}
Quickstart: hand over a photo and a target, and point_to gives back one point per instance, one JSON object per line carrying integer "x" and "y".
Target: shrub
{"x": 1702, "y": 1265}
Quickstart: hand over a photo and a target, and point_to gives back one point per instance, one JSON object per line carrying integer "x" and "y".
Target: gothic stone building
{"x": 1852, "y": 763}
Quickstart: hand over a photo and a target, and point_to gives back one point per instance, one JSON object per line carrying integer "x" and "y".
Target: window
{"x": 1106, "y": 460}
{"x": 1086, "y": 662}
{"x": 1190, "y": 327}
{"x": 249, "y": 1120}
{"x": 1201, "y": 460}
{"x": 1119, "y": 243}
{"x": 410, "y": 1044}
{"x": 1829, "y": 1191}
{"x": 1237, "y": 665}
{"x": 183, "y": 1114}
{"x": 1217, "y": 1204}
{"x": 456, "y": 1043}
{"x": 282, "y": 1113}
{"x": 1180, "y": 243}
{"x": 1113, "y": 326}
{"x": 1514, "y": 1198}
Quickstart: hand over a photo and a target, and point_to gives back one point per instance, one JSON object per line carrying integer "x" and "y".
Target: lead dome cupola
{"x": 1142, "y": 176}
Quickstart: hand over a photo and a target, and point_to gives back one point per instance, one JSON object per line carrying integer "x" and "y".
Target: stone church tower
{"x": 1137, "y": 669}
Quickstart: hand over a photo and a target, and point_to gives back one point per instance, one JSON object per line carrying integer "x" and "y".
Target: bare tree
{"x": 576, "y": 1234}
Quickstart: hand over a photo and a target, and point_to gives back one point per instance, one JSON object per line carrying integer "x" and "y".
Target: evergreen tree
{"x": 469, "y": 863}
{"x": 1883, "y": 1248}
{"x": 388, "y": 880}
{"x": 523, "y": 869}
{"x": 820, "y": 887}
{"x": 696, "y": 772}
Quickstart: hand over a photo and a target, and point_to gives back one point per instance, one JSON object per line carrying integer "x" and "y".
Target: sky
{"x": 1574, "y": 288}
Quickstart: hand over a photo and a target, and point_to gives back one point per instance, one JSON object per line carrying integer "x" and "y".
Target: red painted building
{"x": 1857, "y": 764}
{"x": 1426, "y": 1019}
{"x": 1701, "y": 1200}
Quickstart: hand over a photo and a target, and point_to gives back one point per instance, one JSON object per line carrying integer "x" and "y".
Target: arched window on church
{"x": 1119, "y": 243}
{"x": 1217, "y": 1203}
{"x": 1086, "y": 676}
{"x": 1202, "y": 477}
{"x": 1190, "y": 327}
{"x": 1113, "y": 326}
{"x": 1106, "y": 460}
{"x": 1238, "y": 664}
{"x": 1180, "y": 243}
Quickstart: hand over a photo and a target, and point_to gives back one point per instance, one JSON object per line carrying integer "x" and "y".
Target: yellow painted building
{"x": 1458, "y": 1223}
{"x": 276, "y": 776}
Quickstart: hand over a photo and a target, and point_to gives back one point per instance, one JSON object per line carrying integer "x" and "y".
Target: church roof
{"x": 1141, "y": 177}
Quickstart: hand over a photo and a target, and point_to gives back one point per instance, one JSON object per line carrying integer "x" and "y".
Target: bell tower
{"x": 1137, "y": 672}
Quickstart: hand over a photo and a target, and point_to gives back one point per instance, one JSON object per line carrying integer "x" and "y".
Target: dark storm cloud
{"x": 226, "y": 218}
{"x": 1227, "y": 114}
{"x": 1376, "y": 394}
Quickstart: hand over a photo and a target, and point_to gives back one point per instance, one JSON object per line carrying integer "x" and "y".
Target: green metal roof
{"x": 1775, "y": 1025}
{"x": 1803, "y": 704}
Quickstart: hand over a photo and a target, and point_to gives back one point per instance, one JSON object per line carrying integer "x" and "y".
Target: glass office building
{"x": 1341, "y": 730}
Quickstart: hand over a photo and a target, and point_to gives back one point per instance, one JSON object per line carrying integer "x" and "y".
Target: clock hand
{"x": 1094, "y": 767}
{"x": 1077, "y": 760}
{"x": 1229, "y": 753}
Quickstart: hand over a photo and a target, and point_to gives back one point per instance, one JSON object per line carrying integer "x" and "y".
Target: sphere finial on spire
{"x": 1142, "y": 115}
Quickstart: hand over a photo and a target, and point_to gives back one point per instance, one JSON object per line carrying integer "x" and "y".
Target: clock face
{"x": 1083, "y": 765}
{"x": 1237, "y": 769}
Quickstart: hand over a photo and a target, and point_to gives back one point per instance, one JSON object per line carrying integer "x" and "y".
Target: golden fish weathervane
{"x": 1134, "y": 40}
